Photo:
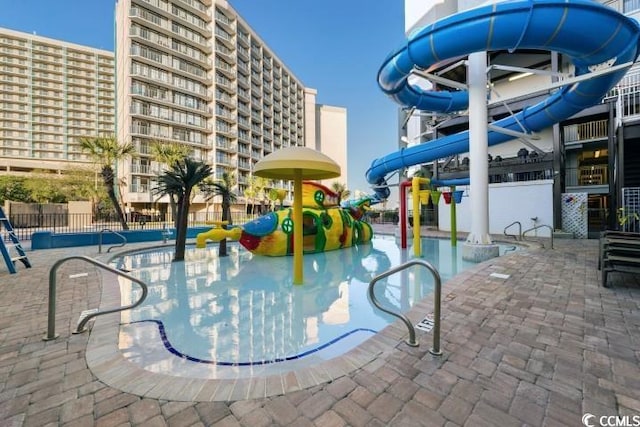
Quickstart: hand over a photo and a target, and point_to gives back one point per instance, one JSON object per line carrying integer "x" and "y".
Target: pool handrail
{"x": 519, "y": 236}
{"x": 540, "y": 226}
{"x": 51, "y": 317}
{"x": 124, "y": 240}
{"x": 435, "y": 350}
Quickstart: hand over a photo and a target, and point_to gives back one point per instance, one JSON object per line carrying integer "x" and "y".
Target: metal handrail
{"x": 519, "y": 236}
{"x": 436, "y": 303}
{"x": 540, "y": 226}
{"x": 51, "y": 318}
{"x": 124, "y": 240}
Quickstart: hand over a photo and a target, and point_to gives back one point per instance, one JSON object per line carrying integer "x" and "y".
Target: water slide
{"x": 591, "y": 35}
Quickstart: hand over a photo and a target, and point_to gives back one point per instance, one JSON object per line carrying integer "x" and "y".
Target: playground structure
{"x": 421, "y": 197}
{"x": 326, "y": 226}
{"x": 600, "y": 59}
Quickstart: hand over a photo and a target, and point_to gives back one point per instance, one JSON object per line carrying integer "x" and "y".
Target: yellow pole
{"x": 297, "y": 227}
{"x": 415, "y": 198}
{"x": 454, "y": 226}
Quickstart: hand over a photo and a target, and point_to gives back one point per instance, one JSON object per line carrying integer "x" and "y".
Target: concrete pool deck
{"x": 542, "y": 347}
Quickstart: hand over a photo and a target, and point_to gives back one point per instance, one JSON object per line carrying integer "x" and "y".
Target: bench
{"x": 619, "y": 251}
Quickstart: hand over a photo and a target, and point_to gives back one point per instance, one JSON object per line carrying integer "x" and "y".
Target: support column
{"x": 478, "y": 246}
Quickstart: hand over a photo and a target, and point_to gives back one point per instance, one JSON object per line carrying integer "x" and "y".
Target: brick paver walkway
{"x": 542, "y": 347}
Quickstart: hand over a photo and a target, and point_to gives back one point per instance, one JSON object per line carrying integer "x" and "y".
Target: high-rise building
{"x": 192, "y": 72}
{"x": 52, "y": 93}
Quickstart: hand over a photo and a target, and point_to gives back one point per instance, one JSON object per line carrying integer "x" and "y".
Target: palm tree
{"x": 168, "y": 153}
{"x": 256, "y": 189}
{"x": 277, "y": 194}
{"x": 179, "y": 181}
{"x": 249, "y": 194}
{"x": 222, "y": 187}
{"x": 341, "y": 190}
{"x": 105, "y": 152}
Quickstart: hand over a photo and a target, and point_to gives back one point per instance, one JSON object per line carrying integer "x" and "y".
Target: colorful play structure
{"x": 421, "y": 196}
{"x": 326, "y": 226}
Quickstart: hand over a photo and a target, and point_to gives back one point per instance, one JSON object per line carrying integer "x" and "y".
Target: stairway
{"x": 8, "y": 249}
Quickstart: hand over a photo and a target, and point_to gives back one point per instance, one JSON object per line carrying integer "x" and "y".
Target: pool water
{"x": 243, "y": 313}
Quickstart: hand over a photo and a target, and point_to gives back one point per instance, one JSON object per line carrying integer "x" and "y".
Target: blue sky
{"x": 334, "y": 46}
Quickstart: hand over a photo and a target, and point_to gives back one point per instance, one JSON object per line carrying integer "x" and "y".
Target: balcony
{"x": 224, "y": 83}
{"x": 587, "y": 175}
{"x": 243, "y": 38}
{"x": 224, "y": 37}
{"x": 225, "y": 161}
{"x": 628, "y": 92}
{"x": 526, "y": 167}
{"x": 196, "y": 8}
{"x": 149, "y": 19}
{"x": 226, "y": 146}
{"x": 143, "y": 169}
{"x": 225, "y": 69}
{"x": 224, "y": 21}
{"x": 225, "y": 99}
{"x": 225, "y": 53}
{"x": 586, "y": 132}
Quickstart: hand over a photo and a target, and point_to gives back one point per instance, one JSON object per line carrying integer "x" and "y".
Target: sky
{"x": 333, "y": 46}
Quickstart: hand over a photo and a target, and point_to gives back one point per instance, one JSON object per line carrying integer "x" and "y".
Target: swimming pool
{"x": 241, "y": 316}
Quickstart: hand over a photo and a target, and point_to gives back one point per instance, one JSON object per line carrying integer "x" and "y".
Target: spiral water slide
{"x": 591, "y": 35}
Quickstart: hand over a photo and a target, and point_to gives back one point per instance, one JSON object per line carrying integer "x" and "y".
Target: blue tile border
{"x": 170, "y": 348}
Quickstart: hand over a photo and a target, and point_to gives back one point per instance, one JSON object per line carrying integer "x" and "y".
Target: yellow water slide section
{"x": 217, "y": 233}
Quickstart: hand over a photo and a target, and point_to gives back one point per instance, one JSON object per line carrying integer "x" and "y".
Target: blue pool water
{"x": 243, "y": 310}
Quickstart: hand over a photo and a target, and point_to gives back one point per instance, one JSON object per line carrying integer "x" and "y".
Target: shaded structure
{"x": 297, "y": 164}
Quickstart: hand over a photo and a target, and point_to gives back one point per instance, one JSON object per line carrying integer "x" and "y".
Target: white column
{"x": 478, "y": 150}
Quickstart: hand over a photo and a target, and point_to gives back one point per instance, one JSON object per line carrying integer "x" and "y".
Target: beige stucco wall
{"x": 331, "y": 137}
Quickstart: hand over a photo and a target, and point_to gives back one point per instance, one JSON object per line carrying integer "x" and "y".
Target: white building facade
{"x": 53, "y": 93}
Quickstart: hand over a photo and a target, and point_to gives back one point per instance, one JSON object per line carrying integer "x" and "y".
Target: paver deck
{"x": 544, "y": 346}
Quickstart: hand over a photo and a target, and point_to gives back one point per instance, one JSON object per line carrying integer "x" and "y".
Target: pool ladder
{"x": 90, "y": 314}
{"x": 519, "y": 235}
{"x": 108, "y": 230}
{"x": 537, "y": 227}
{"x": 437, "y": 295}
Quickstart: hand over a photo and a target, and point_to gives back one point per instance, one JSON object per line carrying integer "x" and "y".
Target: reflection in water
{"x": 244, "y": 309}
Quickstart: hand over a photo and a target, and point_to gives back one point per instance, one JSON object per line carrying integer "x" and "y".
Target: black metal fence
{"x": 428, "y": 217}
{"x": 25, "y": 224}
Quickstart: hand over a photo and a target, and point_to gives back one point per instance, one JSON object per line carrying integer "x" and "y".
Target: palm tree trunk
{"x": 174, "y": 211}
{"x": 119, "y": 213}
{"x": 226, "y": 216}
{"x": 108, "y": 179}
{"x": 181, "y": 229}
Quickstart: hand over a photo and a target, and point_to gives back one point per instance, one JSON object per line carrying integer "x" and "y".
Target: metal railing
{"x": 519, "y": 236}
{"x": 537, "y": 227}
{"x": 596, "y": 129}
{"x": 51, "y": 317}
{"x": 587, "y": 175}
{"x": 124, "y": 240}
{"x": 25, "y": 224}
{"x": 437, "y": 296}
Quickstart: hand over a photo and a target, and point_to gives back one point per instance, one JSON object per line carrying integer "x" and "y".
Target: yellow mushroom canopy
{"x": 283, "y": 163}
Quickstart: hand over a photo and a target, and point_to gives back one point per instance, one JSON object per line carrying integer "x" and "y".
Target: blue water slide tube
{"x": 586, "y": 32}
